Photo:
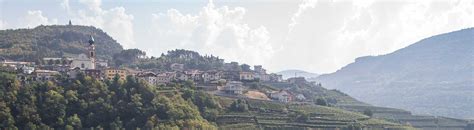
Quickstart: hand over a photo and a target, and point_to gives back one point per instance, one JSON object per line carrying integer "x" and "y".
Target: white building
{"x": 27, "y": 69}
{"x": 300, "y": 97}
{"x": 281, "y": 96}
{"x": 211, "y": 76}
{"x": 150, "y": 77}
{"x": 86, "y": 61}
{"x": 82, "y": 62}
{"x": 177, "y": 67}
{"x": 233, "y": 87}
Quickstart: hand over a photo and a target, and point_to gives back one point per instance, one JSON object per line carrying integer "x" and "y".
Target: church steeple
{"x": 91, "y": 40}
{"x": 92, "y": 51}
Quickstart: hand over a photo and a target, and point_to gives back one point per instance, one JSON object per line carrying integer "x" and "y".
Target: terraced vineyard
{"x": 276, "y": 115}
{"x": 405, "y": 117}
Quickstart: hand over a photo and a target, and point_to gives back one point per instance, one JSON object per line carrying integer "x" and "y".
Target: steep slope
{"x": 291, "y": 73}
{"x": 54, "y": 41}
{"x": 433, "y": 76}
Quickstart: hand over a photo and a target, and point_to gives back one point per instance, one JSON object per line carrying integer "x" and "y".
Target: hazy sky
{"x": 315, "y": 35}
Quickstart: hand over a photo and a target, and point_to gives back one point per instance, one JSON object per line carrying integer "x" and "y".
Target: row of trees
{"x": 190, "y": 59}
{"x": 86, "y": 103}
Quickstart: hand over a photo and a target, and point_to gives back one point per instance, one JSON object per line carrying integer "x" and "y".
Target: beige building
{"x": 44, "y": 75}
{"x": 246, "y": 76}
{"x": 111, "y": 72}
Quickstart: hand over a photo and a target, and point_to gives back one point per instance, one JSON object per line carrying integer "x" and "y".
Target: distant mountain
{"x": 299, "y": 73}
{"x": 433, "y": 76}
{"x": 55, "y": 41}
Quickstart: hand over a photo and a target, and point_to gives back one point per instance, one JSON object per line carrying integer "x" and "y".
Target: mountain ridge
{"x": 439, "y": 67}
{"x": 295, "y": 72}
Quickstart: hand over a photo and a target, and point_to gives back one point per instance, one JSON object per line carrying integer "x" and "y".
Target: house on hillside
{"x": 276, "y": 78}
{"x": 262, "y": 77}
{"x": 297, "y": 80}
{"x": 165, "y": 77}
{"x": 101, "y": 63}
{"x": 259, "y": 69}
{"x": 233, "y": 87}
{"x": 195, "y": 75}
{"x": 111, "y": 72}
{"x": 212, "y": 75}
{"x": 94, "y": 73}
{"x": 27, "y": 69}
{"x": 181, "y": 76}
{"x": 282, "y": 96}
{"x": 177, "y": 67}
{"x": 246, "y": 76}
{"x": 149, "y": 77}
{"x": 231, "y": 75}
{"x": 45, "y": 75}
{"x": 300, "y": 97}
{"x": 232, "y": 66}
{"x": 72, "y": 74}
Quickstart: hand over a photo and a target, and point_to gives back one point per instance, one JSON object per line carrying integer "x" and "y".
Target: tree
{"x": 368, "y": 112}
{"x": 53, "y": 109}
{"x": 128, "y": 56}
{"x": 25, "y": 109}
{"x": 239, "y": 106}
{"x": 6, "y": 119}
{"x": 300, "y": 116}
{"x": 321, "y": 102}
{"x": 245, "y": 67}
{"x": 74, "y": 121}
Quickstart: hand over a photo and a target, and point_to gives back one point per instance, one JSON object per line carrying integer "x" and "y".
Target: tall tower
{"x": 92, "y": 51}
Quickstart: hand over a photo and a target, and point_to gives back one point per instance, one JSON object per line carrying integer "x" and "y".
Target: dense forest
{"x": 89, "y": 103}
{"x": 55, "y": 41}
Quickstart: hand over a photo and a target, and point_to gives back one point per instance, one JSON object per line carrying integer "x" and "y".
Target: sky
{"x": 318, "y": 36}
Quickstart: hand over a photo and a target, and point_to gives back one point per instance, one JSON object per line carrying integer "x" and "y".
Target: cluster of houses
{"x": 230, "y": 81}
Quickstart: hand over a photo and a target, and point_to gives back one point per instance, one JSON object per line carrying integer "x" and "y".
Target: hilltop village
{"x": 228, "y": 81}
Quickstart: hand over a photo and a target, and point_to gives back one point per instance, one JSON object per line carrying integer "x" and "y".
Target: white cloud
{"x": 65, "y": 5}
{"x": 213, "y": 30}
{"x": 115, "y": 21}
{"x": 35, "y": 18}
{"x": 306, "y": 4}
{"x": 332, "y": 34}
{"x": 93, "y": 5}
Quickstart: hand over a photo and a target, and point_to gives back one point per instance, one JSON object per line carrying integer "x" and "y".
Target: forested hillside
{"x": 87, "y": 102}
{"x": 55, "y": 41}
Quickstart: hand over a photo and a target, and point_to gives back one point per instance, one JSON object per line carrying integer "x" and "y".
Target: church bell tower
{"x": 91, "y": 49}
